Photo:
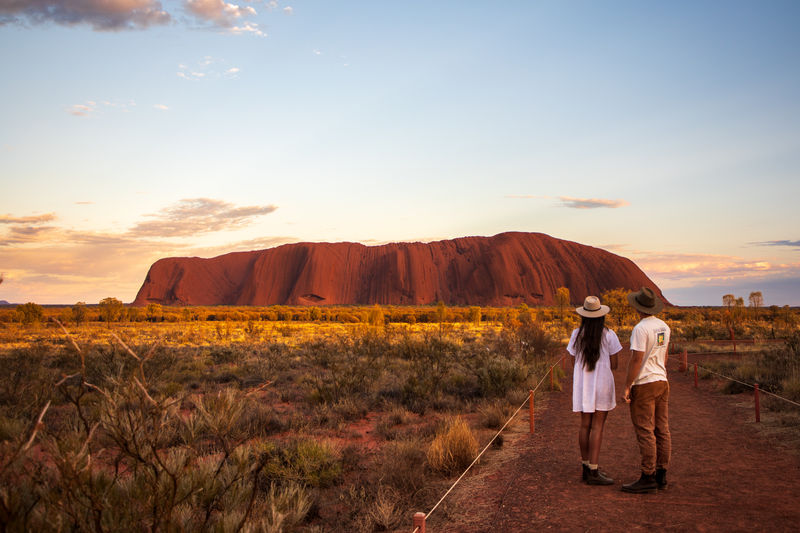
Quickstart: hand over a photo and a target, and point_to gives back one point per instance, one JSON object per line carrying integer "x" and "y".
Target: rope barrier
{"x": 748, "y": 385}
{"x": 420, "y": 528}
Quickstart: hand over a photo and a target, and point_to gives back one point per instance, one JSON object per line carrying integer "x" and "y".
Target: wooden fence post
{"x": 695, "y": 375}
{"x": 419, "y": 522}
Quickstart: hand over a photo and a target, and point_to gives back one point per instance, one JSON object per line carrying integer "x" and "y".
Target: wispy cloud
{"x": 101, "y": 15}
{"x": 197, "y": 216}
{"x": 81, "y": 110}
{"x": 288, "y": 10}
{"x": 161, "y": 107}
{"x": 682, "y": 269}
{"x": 208, "y": 68}
{"x": 591, "y": 203}
{"x": 787, "y": 243}
{"x": 33, "y": 219}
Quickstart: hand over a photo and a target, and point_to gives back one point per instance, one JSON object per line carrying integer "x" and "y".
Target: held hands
{"x": 626, "y": 395}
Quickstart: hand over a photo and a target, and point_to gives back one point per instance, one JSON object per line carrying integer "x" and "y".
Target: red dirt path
{"x": 726, "y": 474}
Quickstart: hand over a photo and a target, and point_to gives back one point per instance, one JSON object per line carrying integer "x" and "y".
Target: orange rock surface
{"x": 506, "y": 269}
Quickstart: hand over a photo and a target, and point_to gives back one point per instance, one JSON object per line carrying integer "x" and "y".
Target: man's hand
{"x": 626, "y": 395}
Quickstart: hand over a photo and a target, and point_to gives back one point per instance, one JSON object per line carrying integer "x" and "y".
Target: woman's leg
{"x": 598, "y": 422}
{"x": 583, "y": 435}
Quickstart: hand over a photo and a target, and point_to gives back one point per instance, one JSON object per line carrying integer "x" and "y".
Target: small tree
{"x": 154, "y": 312}
{"x": 475, "y": 315}
{"x": 111, "y": 309}
{"x": 375, "y": 317}
{"x": 728, "y": 300}
{"x": 562, "y": 301}
{"x": 756, "y": 300}
{"x": 79, "y": 313}
{"x": 30, "y": 313}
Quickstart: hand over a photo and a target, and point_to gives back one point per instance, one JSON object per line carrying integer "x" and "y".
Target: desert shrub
{"x": 283, "y": 510}
{"x": 402, "y": 466}
{"x": 310, "y": 462}
{"x": 226, "y": 354}
{"x": 453, "y": 449}
{"x": 385, "y": 511}
{"x": 494, "y": 414}
{"x": 500, "y": 375}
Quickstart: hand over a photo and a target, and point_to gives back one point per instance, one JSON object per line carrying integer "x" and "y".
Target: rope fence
{"x": 421, "y": 518}
{"x": 684, "y": 366}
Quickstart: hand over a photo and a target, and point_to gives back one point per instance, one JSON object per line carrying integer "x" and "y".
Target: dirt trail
{"x": 725, "y": 474}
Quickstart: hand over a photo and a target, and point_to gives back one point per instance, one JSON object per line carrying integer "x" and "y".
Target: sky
{"x": 665, "y": 132}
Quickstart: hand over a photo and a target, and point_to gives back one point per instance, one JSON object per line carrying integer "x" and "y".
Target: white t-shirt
{"x": 651, "y": 336}
{"x": 594, "y": 391}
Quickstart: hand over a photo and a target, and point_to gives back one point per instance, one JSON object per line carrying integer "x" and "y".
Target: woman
{"x": 595, "y": 348}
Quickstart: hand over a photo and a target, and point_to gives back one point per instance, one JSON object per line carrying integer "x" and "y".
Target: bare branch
{"x": 36, "y": 427}
{"x": 126, "y": 347}
{"x": 150, "y": 398}
{"x": 75, "y": 344}
{"x": 66, "y": 378}
{"x": 259, "y": 388}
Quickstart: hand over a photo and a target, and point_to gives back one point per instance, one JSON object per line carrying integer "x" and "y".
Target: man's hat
{"x": 646, "y": 301}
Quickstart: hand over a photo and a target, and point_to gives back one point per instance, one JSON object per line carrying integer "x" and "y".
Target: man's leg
{"x": 643, "y": 405}
{"x": 663, "y": 438}
{"x": 643, "y": 418}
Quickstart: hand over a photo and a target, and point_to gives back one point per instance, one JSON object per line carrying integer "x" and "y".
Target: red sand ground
{"x": 727, "y": 473}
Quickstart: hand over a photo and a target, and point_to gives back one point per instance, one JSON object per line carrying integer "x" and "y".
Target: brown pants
{"x": 650, "y": 419}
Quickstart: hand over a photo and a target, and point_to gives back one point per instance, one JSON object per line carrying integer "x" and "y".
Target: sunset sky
{"x": 666, "y": 132}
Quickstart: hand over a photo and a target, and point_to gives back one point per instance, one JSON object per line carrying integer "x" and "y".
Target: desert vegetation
{"x": 287, "y": 418}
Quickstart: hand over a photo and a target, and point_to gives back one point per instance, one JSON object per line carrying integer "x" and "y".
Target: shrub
{"x": 453, "y": 449}
{"x": 402, "y": 465}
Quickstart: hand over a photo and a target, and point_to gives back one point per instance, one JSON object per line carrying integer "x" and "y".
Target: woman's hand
{"x": 626, "y": 395}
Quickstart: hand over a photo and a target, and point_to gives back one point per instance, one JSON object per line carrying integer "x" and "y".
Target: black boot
{"x": 661, "y": 478}
{"x": 596, "y": 477}
{"x": 585, "y": 473}
{"x": 645, "y": 484}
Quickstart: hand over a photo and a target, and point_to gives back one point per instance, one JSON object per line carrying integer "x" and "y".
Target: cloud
{"x": 101, "y": 15}
{"x": 161, "y": 107}
{"x": 288, "y": 10}
{"x": 80, "y": 110}
{"x": 198, "y": 215}
{"x": 224, "y": 15}
{"x": 84, "y": 203}
{"x": 34, "y": 219}
{"x": 208, "y": 68}
{"x": 790, "y": 244}
{"x": 316, "y": 52}
{"x": 591, "y": 203}
{"x": 682, "y": 269}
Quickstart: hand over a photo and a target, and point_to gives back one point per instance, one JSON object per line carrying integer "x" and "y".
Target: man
{"x": 647, "y": 391}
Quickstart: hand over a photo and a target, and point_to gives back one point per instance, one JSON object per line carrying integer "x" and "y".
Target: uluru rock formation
{"x": 507, "y": 269}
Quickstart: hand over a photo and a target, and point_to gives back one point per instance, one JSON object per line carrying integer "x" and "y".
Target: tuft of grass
{"x": 453, "y": 449}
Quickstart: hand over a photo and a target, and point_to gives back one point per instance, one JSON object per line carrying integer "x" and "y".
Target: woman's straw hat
{"x": 646, "y": 301}
{"x": 592, "y": 308}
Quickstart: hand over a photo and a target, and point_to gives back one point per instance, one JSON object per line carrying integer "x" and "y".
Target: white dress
{"x": 594, "y": 391}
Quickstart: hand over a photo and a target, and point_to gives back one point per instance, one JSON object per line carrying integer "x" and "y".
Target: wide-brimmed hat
{"x": 592, "y": 308}
{"x": 646, "y": 301}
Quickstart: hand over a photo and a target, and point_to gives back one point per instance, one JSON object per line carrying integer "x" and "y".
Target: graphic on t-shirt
{"x": 660, "y": 339}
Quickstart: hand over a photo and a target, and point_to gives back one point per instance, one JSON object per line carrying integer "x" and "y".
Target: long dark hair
{"x": 588, "y": 340}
